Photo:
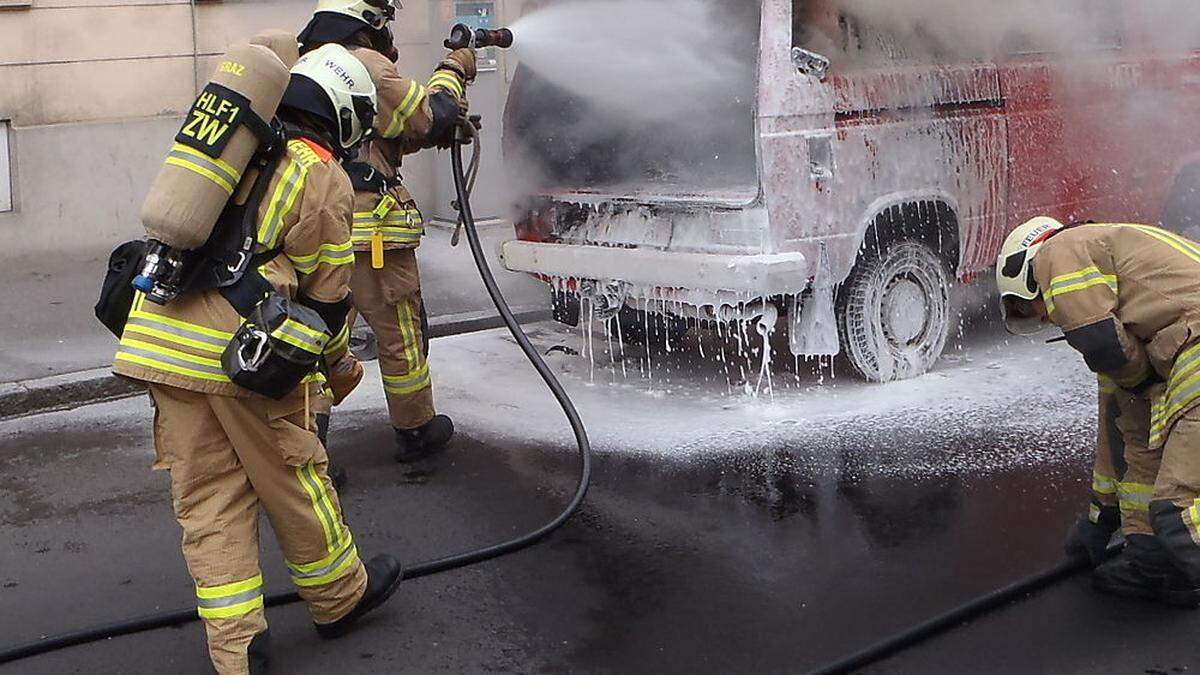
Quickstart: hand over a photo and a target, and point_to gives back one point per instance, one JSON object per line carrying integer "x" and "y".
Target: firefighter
{"x": 1127, "y": 297}
{"x": 230, "y": 451}
{"x": 387, "y": 223}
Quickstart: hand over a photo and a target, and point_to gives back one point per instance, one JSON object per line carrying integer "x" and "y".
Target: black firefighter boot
{"x": 337, "y": 472}
{"x": 383, "y": 578}
{"x": 259, "y": 653}
{"x": 417, "y": 444}
{"x": 1144, "y": 571}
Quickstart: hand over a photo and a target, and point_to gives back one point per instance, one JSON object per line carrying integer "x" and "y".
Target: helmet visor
{"x": 1021, "y": 317}
{"x": 382, "y": 13}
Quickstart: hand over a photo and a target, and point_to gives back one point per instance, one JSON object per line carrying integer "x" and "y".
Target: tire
{"x": 893, "y": 312}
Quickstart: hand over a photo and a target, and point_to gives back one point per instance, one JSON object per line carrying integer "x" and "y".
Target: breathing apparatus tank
{"x": 223, "y": 129}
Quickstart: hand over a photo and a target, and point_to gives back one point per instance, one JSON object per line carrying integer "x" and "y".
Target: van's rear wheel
{"x": 894, "y": 311}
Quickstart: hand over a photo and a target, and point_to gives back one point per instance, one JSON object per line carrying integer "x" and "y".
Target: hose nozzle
{"x": 461, "y": 36}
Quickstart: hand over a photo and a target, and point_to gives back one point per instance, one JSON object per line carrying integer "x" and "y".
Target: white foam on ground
{"x": 996, "y": 404}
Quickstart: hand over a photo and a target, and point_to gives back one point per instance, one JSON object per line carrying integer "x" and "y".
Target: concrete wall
{"x": 94, "y": 90}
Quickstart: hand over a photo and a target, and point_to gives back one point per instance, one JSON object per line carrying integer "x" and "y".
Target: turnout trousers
{"x": 227, "y": 457}
{"x": 390, "y": 300}
{"x": 1158, "y": 489}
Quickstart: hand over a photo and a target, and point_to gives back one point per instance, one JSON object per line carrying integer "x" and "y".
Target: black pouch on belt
{"x": 116, "y": 293}
{"x": 280, "y": 343}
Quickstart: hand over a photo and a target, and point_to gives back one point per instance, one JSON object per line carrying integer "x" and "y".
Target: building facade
{"x": 91, "y": 93}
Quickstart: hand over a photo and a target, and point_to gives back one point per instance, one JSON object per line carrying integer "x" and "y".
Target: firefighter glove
{"x": 1089, "y": 536}
{"x": 461, "y": 61}
{"x": 344, "y": 376}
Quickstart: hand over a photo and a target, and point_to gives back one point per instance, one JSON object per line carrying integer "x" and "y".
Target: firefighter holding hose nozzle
{"x": 1127, "y": 297}
{"x": 388, "y": 225}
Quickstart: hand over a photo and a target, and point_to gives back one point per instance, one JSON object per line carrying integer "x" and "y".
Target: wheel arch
{"x": 930, "y": 215}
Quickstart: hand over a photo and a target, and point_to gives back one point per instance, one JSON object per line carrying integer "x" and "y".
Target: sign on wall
{"x": 5, "y": 170}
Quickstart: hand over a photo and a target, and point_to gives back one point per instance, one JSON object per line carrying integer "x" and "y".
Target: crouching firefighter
{"x": 233, "y": 364}
{"x": 387, "y": 223}
{"x": 1127, "y": 297}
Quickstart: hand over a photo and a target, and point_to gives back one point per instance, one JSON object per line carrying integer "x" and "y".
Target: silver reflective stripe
{"x": 205, "y": 163}
{"x": 305, "y": 339}
{"x": 165, "y": 358}
{"x": 328, "y": 569}
{"x": 330, "y": 254}
{"x": 181, "y": 332}
{"x": 229, "y": 600}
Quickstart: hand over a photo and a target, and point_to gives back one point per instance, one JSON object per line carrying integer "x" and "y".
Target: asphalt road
{"x": 709, "y": 543}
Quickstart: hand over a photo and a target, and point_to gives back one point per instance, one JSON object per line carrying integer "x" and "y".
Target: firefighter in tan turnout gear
{"x": 1127, "y": 297}
{"x": 387, "y": 223}
{"x": 230, "y": 451}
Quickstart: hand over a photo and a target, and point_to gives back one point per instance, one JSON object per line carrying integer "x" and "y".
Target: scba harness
{"x": 281, "y": 342}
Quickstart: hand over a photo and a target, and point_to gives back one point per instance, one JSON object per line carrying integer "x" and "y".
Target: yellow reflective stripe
{"x": 1079, "y": 280}
{"x": 395, "y": 217}
{"x": 230, "y": 600}
{"x": 412, "y": 100}
{"x": 176, "y": 323}
{"x": 405, "y": 321}
{"x": 1183, "y": 389}
{"x": 326, "y": 514}
{"x": 299, "y": 335}
{"x": 407, "y": 384}
{"x": 221, "y": 165}
{"x": 202, "y": 171}
{"x": 282, "y": 201}
{"x": 1094, "y": 513}
{"x": 390, "y": 235}
{"x": 327, "y": 254}
{"x": 448, "y": 81}
{"x": 1135, "y": 496}
{"x": 1171, "y": 239}
{"x": 1105, "y": 485}
{"x": 328, "y": 569}
{"x": 170, "y": 360}
{"x": 235, "y": 588}
{"x": 179, "y": 332}
{"x": 340, "y": 340}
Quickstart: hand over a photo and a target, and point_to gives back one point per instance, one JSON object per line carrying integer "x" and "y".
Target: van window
{"x": 1074, "y": 26}
{"x": 847, "y": 37}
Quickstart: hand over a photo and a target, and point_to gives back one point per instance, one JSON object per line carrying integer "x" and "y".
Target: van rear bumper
{"x": 753, "y": 275}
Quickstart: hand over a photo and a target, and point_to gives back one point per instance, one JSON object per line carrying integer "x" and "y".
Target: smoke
{"x": 985, "y": 29}
{"x": 647, "y": 59}
{"x": 637, "y": 93}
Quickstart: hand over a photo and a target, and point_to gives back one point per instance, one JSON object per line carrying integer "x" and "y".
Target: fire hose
{"x": 465, "y": 135}
{"x": 947, "y": 621}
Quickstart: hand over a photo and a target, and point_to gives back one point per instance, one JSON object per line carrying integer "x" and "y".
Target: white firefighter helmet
{"x": 1014, "y": 271}
{"x": 347, "y": 88}
{"x": 374, "y": 13}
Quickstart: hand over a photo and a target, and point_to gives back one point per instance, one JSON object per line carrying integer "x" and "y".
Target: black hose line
{"x": 942, "y": 623}
{"x": 422, "y": 569}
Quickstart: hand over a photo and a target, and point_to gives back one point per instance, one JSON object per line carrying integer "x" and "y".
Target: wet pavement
{"x": 768, "y": 534}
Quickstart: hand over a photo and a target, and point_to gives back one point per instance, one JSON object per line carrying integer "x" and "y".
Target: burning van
{"x": 844, "y": 167}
